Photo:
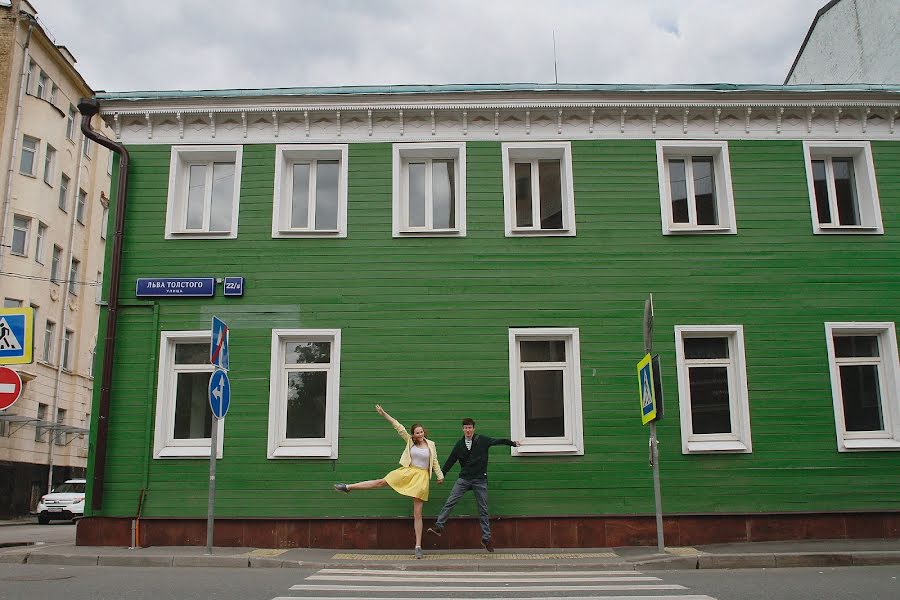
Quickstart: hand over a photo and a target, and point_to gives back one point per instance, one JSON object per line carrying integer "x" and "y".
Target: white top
{"x": 419, "y": 457}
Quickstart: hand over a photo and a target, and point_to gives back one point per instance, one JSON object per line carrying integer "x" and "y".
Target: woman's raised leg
{"x": 367, "y": 485}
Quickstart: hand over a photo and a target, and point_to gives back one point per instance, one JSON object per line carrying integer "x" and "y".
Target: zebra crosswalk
{"x": 378, "y": 584}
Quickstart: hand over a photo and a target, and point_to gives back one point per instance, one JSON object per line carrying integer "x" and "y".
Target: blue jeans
{"x": 480, "y": 487}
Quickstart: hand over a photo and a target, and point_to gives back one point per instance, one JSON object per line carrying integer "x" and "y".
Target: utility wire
{"x": 36, "y": 278}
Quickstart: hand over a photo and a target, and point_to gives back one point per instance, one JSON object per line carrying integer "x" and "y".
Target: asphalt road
{"x": 57, "y": 532}
{"x": 27, "y": 582}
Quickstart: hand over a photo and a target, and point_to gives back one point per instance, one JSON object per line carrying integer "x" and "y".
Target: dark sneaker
{"x": 341, "y": 487}
{"x": 418, "y": 553}
{"x": 435, "y": 530}
{"x": 487, "y": 545}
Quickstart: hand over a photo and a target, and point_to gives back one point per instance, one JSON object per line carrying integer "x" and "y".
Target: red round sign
{"x": 10, "y": 387}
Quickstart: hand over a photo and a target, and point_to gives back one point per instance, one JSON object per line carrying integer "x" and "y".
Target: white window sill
{"x": 541, "y": 233}
{"x": 730, "y": 446}
{"x": 309, "y": 233}
{"x": 713, "y": 230}
{"x": 862, "y": 444}
{"x": 430, "y": 233}
{"x": 536, "y": 449}
{"x": 324, "y": 451}
{"x": 185, "y": 452}
{"x": 200, "y": 235}
{"x": 848, "y": 229}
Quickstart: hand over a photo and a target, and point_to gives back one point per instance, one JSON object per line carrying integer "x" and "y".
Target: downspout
{"x": 10, "y": 168}
{"x": 88, "y": 107}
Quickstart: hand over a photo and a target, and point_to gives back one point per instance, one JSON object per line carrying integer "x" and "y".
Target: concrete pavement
{"x": 811, "y": 553}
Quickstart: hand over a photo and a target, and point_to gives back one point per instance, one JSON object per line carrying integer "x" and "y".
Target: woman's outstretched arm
{"x": 400, "y": 429}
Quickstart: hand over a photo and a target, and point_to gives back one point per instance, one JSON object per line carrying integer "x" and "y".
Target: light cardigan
{"x": 433, "y": 465}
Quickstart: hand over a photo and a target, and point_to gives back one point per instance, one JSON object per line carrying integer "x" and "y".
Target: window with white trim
{"x": 183, "y": 418}
{"x": 304, "y": 391}
{"x": 538, "y": 192}
{"x": 865, "y": 385}
{"x": 70, "y": 122}
{"x": 68, "y": 341}
{"x": 40, "y": 243}
{"x": 843, "y": 195}
{"x": 42, "y": 82}
{"x": 49, "y": 332}
{"x": 87, "y": 147}
{"x": 21, "y": 228}
{"x": 28, "y": 160}
{"x": 712, "y": 389}
{"x": 204, "y": 190}
{"x": 104, "y": 219}
{"x": 73, "y": 276}
{"x": 55, "y": 264}
{"x": 695, "y": 187}
{"x": 63, "y": 200}
{"x": 545, "y": 391}
{"x": 429, "y": 189}
{"x": 80, "y": 206}
{"x": 310, "y": 191}
{"x": 49, "y": 163}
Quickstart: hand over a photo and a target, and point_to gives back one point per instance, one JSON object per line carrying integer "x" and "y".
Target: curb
{"x": 673, "y": 563}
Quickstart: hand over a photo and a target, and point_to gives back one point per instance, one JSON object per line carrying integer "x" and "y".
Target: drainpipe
{"x": 88, "y": 107}
{"x": 11, "y": 166}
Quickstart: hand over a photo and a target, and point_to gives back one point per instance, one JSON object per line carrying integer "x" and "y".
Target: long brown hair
{"x": 417, "y": 425}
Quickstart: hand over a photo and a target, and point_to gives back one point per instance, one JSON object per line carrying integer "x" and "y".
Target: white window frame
{"x": 889, "y": 380}
{"x": 65, "y": 355}
{"x": 869, "y": 205}
{"x": 164, "y": 443}
{"x": 74, "y": 265}
{"x": 62, "y": 200}
{"x": 81, "y": 206}
{"x": 571, "y": 444}
{"x": 278, "y": 446}
{"x": 176, "y": 201}
{"x": 739, "y": 441}
{"x": 55, "y": 264}
{"x": 70, "y": 122}
{"x": 686, "y": 149}
{"x": 26, "y": 233}
{"x": 49, "y": 164}
{"x": 403, "y": 154}
{"x": 40, "y": 242}
{"x": 42, "y": 81}
{"x": 286, "y": 155}
{"x": 513, "y": 152}
{"x": 49, "y": 334}
{"x": 34, "y": 155}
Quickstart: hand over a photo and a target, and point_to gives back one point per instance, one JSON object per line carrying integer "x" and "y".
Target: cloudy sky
{"x": 203, "y": 44}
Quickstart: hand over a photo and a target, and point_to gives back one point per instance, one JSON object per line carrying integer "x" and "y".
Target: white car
{"x": 64, "y": 502}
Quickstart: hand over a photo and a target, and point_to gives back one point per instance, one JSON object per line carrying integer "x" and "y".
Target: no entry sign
{"x": 10, "y": 387}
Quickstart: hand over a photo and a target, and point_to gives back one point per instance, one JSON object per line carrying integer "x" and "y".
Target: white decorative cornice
{"x": 162, "y": 123}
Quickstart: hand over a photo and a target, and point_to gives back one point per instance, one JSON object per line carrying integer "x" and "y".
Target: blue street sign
{"x": 218, "y": 344}
{"x": 219, "y": 393}
{"x": 16, "y": 336}
{"x": 179, "y": 287}
{"x": 234, "y": 286}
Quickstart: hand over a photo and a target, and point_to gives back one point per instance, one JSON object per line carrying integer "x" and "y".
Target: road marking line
{"x": 409, "y": 589}
{"x": 477, "y": 556}
{"x": 542, "y": 597}
{"x": 414, "y": 576}
{"x": 450, "y": 573}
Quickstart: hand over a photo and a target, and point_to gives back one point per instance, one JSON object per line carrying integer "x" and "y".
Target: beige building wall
{"x": 58, "y": 229}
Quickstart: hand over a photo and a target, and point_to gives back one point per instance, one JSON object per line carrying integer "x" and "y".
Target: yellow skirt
{"x": 409, "y": 481}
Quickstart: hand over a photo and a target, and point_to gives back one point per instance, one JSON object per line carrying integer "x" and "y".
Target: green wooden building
{"x": 485, "y": 251}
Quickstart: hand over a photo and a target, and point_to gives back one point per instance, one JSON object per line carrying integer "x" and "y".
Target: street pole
{"x": 654, "y": 445}
{"x": 211, "y": 507}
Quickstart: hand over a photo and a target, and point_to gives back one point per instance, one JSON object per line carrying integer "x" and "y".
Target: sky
{"x": 123, "y": 45}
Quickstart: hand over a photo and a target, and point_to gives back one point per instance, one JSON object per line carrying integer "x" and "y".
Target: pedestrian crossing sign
{"x": 16, "y": 336}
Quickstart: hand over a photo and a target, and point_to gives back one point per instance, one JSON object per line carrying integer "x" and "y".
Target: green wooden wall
{"x": 424, "y": 324}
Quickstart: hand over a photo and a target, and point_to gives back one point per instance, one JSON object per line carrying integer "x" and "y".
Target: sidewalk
{"x": 814, "y": 553}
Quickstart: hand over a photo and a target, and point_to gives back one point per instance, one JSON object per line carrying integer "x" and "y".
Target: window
{"x": 109, "y": 163}
{"x": 28, "y": 159}
{"x": 79, "y": 208}
{"x": 843, "y": 195}
{"x": 310, "y": 191}
{"x": 29, "y": 77}
{"x": 70, "y": 122}
{"x": 429, "y": 189}
{"x": 303, "y": 393}
{"x": 39, "y": 428}
{"x": 98, "y": 296}
{"x": 545, "y": 391}
{"x": 183, "y": 417}
{"x": 12, "y": 303}
{"x": 73, "y": 277}
{"x": 49, "y": 332}
{"x": 58, "y": 436}
{"x": 865, "y": 385}
{"x": 55, "y": 262}
{"x": 42, "y": 82}
{"x": 39, "y": 245}
{"x": 49, "y": 160}
{"x": 104, "y": 222}
{"x": 63, "y": 201}
{"x": 695, "y": 187}
{"x": 53, "y": 90}
{"x": 204, "y": 189}
{"x": 712, "y": 389}
{"x": 66, "y": 357}
{"x": 87, "y": 147}
{"x": 21, "y": 227}
{"x": 538, "y": 192}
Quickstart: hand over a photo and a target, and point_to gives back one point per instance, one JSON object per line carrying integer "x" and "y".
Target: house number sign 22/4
{"x": 234, "y": 286}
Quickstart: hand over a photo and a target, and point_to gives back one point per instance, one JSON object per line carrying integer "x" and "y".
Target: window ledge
{"x": 700, "y": 231}
{"x": 863, "y": 444}
{"x": 435, "y": 233}
{"x": 849, "y": 229}
{"x": 303, "y": 452}
{"x": 730, "y": 446}
{"x": 199, "y": 235}
{"x": 533, "y": 449}
{"x": 185, "y": 452}
{"x": 288, "y": 233}
{"x": 541, "y": 233}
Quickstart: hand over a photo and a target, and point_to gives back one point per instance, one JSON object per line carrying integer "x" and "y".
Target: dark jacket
{"x": 473, "y": 463}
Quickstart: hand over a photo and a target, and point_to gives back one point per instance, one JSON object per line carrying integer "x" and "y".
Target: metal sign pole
{"x": 211, "y": 507}
{"x": 654, "y": 446}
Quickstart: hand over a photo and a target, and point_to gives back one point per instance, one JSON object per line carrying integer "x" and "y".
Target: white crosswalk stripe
{"x": 379, "y": 584}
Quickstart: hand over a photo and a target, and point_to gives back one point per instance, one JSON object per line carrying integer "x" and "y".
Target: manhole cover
{"x": 37, "y": 577}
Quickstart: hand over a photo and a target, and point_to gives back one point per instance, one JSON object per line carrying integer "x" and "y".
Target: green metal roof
{"x": 388, "y": 90}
